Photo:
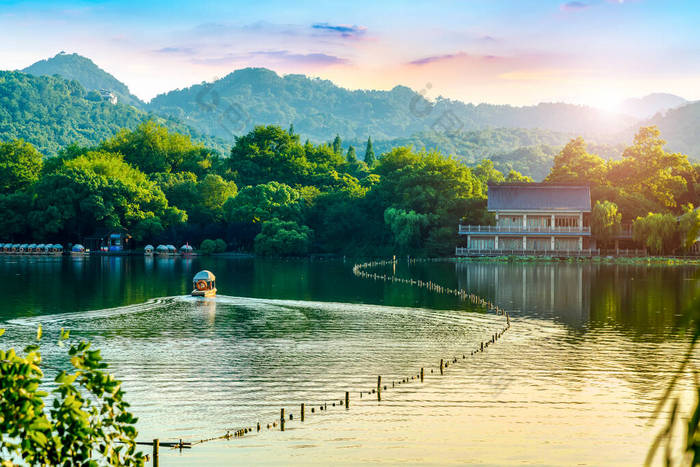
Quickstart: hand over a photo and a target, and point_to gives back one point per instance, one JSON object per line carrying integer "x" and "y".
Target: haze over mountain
{"x": 84, "y": 71}
{"x": 525, "y": 138}
{"x": 319, "y": 109}
{"x": 650, "y": 105}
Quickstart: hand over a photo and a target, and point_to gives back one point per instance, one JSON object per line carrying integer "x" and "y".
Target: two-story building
{"x": 533, "y": 218}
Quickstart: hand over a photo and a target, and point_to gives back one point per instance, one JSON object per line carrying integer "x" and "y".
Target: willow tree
{"x": 605, "y": 221}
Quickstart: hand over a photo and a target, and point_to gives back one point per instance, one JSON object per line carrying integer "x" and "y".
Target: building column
{"x": 580, "y": 220}
{"x": 524, "y": 221}
{"x": 524, "y": 242}
{"x": 552, "y": 241}
{"x": 580, "y": 243}
{"x": 469, "y": 241}
{"x": 495, "y": 243}
{"x": 553, "y": 223}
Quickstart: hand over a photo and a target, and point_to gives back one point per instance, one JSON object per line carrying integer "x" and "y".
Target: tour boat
{"x": 78, "y": 250}
{"x": 148, "y": 250}
{"x": 204, "y": 284}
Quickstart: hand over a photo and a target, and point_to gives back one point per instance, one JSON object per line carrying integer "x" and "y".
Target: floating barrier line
{"x": 305, "y": 410}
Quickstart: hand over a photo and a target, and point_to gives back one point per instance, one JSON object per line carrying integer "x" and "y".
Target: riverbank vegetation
{"x": 277, "y": 195}
{"x": 87, "y": 419}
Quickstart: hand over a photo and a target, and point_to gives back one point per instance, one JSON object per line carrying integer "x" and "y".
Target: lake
{"x": 574, "y": 381}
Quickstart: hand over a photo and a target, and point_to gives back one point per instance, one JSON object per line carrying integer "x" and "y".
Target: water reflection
{"x": 647, "y": 301}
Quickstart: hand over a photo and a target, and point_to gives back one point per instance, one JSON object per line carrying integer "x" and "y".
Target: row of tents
{"x": 167, "y": 249}
{"x": 31, "y": 248}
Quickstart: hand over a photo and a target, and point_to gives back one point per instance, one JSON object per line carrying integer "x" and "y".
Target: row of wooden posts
{"x": 359, "y": 270}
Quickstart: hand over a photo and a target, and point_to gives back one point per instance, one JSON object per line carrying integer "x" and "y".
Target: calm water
{"x": 573, "y": 382}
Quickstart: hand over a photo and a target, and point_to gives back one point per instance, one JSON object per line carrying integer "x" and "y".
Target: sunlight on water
{"x": 574, "y": 380}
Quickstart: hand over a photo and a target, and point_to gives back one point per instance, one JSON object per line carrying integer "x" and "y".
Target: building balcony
{"x": 521, "y": 230}
{"x": 531, "y": 252}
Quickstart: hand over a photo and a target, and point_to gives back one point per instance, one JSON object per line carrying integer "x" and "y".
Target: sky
{"x": 591, "y": 52}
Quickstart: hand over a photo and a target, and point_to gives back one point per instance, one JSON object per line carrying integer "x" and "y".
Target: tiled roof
{"x": 539, "y": 196}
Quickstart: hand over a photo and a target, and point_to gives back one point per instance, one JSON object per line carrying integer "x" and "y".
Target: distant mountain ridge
{"x": 84, "y": 71}
{"x": 650, "y": 105}
{"x": 52, "y": 112}
{"x": 319, "y": 109}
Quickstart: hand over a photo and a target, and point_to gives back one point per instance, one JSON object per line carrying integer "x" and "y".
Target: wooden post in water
{"x": 379, "y": 387}
{"x": 442, "y": 363}
{"x": 347, "y": 400}
{"x": 421, "y": 375}
{"x": 282, "y": 419}
{"x": 156, "y": 445}
{"x": 302, "y": 411}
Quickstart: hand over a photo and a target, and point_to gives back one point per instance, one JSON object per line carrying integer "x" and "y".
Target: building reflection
{"x": 561, "y": 291}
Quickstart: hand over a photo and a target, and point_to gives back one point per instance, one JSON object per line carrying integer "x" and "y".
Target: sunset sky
{"x": 593, "y": 52}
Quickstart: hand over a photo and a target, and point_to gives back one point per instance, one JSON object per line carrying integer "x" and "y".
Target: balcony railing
{"x": 536, "y": 252}
{"x": 465, "y": 229}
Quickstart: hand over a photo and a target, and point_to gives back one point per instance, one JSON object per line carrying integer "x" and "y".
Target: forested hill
{"x": 319, "y": 109}
{"x": 84, "y": 71}
{"x": 51, "y": 113}
{"x": 681, "y": 129}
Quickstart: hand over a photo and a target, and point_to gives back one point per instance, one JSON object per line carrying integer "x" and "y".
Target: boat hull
{"x": 204, "y": 293}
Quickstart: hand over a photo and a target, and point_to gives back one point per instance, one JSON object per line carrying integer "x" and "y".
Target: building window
{"x": 539, "y": 222}
{"x": 539, "y": 244}
{"x": 510, "y": 221}
{"x": 510, "y": 243}
{"x": 565, "y": 243}
{"x": 566, "y": 221}
{"x": 482, "y": 243}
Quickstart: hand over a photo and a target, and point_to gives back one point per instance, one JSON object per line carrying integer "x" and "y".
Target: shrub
{"x": 207, "y": 247}
{"x": 88, "y": 419}
{"x": 220, "y": 245}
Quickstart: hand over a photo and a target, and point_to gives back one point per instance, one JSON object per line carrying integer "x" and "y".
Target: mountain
{"x": 51, "y": 112}
{"x": 680, "y": 127}
{"x": 529, "y": 151}
{"x": 319, "y": 109}
{"x": 648, "y": 106}
{"x": 84, "y": 71}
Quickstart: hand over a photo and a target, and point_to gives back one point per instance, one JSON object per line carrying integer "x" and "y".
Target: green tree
{"x": 658, "y": 232}
{"x": 20, "y": 165}
{"x": 516, "y": 177}
{"x": 574, "y": 164}
{"x": 283, "y": 238}
{"x": 648, "y": 170}
{"x": 213, "y": 192}
{"x": 207, "y": 247}
{"x": 351, "y": 156}
{"x": 88, "y": 418}
{"x": 337, "y": 145}
{"x": 605, "y": 221}
{"x": 220, "y": 245}
{"x": 263, "y": 202}
{"x": 369, "y": 153}
{"x": 95, "y": 190}
{"x": 268, "y": 153}
{"x": 407, "y": 228}
{"x": 689, "y": 227}
{"x": 152, "y": 148}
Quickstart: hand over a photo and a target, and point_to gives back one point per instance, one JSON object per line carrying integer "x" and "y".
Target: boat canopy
{"x": 186, "y": 248}
{"x": 57, "y": 246}
{"x": 31, "y": 246}
{"x": 161, "y": 248}
{"x": 171, "y": 247}
{"x": 148, "y": 248}
{"x": 41, "y": 246}
{"x": 204, "y": 276}
{"x": 78, "y": 247}
{"x": 24, "y": 246}
{"x": 16, "y": 245}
